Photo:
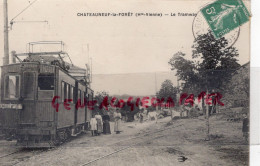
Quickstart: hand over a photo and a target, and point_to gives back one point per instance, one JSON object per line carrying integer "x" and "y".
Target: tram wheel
{"x": 67, "y": 135}
{"x": 57, "y": 140}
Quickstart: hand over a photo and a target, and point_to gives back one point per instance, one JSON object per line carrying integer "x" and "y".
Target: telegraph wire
{"x": 24, "y": 10}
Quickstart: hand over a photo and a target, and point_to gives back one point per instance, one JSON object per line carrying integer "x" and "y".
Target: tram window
{"x": 64, "y": 90}
{"x": 12, "y": 86}
{"x": 29, "y": 85}
{"x": 82, "y": 97}
{"x": 72, "y": 92}
{"x": 46, "y": 81}
{"x": 65, "y": 94}
{"x": 79, "y": 95}
{"x": 69, "y": 91}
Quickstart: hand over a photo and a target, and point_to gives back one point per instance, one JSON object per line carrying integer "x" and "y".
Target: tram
{"x": 27, "y": 89}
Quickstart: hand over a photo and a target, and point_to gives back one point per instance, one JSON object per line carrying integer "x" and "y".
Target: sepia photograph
{"x": 134, "y": 82}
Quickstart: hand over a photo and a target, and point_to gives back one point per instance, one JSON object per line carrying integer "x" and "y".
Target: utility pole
{"x": 90, "y": 71}
{"x": 207, "y": 109}
{"x": 6, "y": 42}
{"x": 155, "y": 77}
{"x": 207, "y": 120}
{"x": 178, "y": 87}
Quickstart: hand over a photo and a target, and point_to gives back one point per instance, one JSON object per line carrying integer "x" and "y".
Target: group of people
{"x": 101, "y": 124}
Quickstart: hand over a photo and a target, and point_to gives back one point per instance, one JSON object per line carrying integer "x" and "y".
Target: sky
{"x": 129, "y": 54}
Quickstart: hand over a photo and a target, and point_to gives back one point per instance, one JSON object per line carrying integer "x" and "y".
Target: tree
{"x": 186, "y": 70}
{"x": 238, "y": 87}
{"x": 99, "y": 97}
{"x": 211, "y": 66}
{"x": 167, "y": 90}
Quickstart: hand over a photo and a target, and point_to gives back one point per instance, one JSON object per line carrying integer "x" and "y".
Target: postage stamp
{"x": 224, "y": 16}
{"x": 201, "y": 27}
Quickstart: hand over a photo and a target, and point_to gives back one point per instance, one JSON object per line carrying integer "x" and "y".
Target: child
{"x": 118, "y": 117}
{"x": 99, "y": 124}
{"x": 93, "y": 125}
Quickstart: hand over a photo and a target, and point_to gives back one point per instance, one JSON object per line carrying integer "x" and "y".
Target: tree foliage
{"x": 238, "y": 88}
{"x": 99, "y": 97}
{"x": 167, "y": 90}
{"x": 186, "y": 70}
{"x": 211, "y": 66}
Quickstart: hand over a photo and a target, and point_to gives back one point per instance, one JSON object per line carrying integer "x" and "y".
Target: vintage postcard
{"x": 125, "y": 82}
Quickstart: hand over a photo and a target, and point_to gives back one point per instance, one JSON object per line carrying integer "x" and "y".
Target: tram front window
{"x": 46, "y": 82}
{"x": 45, "y": 86}
{"x": 12, "y": 86}
{"x": 29, "y": 85}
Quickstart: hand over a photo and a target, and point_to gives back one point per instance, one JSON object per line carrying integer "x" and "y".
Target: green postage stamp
{"x": 225, "y": 15}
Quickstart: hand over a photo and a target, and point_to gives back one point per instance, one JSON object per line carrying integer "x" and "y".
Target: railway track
{"x": 130, "y": 146}
{"x": 19, "y": 155}
{"x": 22, "y": 155}
{"x": 125, "y": 148}
{"x": 9, "y": 154}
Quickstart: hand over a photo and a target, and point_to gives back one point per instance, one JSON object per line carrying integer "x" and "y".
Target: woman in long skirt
{"x": 106, "y": 124}
{"x": 93, "y": 125}
{"x": 99, "y": 124}
{"x": 118, "y": 117}
{"x": 141, "y": 116}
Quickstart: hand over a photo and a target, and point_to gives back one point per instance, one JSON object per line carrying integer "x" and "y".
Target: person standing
{"x": 118, "y": 117}
{"x": 141, "y": 116}
{"x": 93, "y": 125}
{"x": 99, "y": 123}
{"x": 106, "y": 124}
{"x": 245, "y": 128}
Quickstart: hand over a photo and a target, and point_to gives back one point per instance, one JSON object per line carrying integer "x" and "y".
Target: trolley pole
{"x": 6, "y": 42}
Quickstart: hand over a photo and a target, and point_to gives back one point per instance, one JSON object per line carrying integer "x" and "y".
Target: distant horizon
{"x": 151, "y": 87}
{"x": 135, "y": 84}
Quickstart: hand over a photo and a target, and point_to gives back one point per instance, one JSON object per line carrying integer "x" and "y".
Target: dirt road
{"x": 180, "y": 142}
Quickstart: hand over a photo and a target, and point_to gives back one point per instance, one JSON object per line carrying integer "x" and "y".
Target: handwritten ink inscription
{"x": 185, "y": 99}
